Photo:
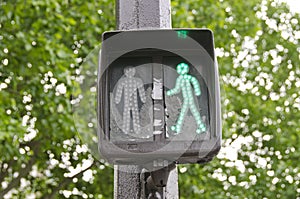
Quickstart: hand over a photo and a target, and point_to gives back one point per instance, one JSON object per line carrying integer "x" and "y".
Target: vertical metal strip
{"x": 158, "y": 100}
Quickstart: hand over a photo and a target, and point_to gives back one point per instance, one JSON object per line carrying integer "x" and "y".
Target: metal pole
{"x": 141, "y": 14}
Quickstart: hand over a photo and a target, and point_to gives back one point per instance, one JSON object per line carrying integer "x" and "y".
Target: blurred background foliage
{"x": 42, "y": 46}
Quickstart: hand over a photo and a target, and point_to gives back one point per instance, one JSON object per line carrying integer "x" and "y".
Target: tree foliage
{"x": 43, "y": 44}
{"x": 258, "y": 52}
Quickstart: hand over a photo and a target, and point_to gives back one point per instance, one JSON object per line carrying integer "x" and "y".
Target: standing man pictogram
{"x": 184, "y": 84}
{"x": 131, "y": 86}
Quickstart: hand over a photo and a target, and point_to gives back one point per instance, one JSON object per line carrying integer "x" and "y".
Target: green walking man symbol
{"x": 184, "y": 84}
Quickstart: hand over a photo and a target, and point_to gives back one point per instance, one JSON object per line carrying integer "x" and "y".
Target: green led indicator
{"x": 182, "y": 34}
{"x": 184, "y": 83}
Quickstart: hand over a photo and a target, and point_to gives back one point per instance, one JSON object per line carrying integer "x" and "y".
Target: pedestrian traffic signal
{"x": 158, "y": 97}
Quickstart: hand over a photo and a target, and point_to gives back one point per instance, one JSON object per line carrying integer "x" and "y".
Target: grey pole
{"x": 142, "y": 14}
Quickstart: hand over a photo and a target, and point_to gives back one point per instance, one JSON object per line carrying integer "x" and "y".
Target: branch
{"x": 4, "y": 171}
{"x": 16, "y": 181}
{"x": 67, "y": 181}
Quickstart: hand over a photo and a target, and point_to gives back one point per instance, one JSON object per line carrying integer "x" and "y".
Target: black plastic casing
{"x": 144, "y": 42}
